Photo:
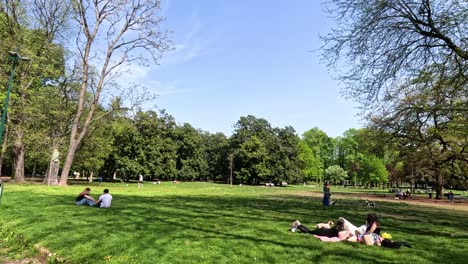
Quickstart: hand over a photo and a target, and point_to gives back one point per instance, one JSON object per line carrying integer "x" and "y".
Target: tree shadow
{"x": 237, "y": 227}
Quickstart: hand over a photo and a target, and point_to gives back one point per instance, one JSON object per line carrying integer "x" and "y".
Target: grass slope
{"x": 212, "y": 223}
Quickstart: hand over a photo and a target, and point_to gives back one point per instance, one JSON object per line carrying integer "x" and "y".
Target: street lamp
{"x": 15, "y": 57}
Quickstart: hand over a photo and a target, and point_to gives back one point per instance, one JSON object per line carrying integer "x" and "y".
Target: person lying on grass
{"x": 323, "y": 230}
{"x": 84, "y": 198}
{"x": 370, "y": 233}
{"x": 105, "y": 200}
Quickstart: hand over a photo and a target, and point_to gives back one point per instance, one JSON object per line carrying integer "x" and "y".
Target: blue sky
{"x": 240, "y": 57}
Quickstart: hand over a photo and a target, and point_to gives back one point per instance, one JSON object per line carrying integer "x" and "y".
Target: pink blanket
{"x": 328, "y": 239}
{"x": 343, "y": 235}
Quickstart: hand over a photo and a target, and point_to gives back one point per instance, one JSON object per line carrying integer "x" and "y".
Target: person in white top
{"x": 140, "y": 181}
{"x": 105, "y": 199}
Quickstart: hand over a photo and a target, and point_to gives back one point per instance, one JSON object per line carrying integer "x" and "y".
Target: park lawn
{"x": 215, "y": 223}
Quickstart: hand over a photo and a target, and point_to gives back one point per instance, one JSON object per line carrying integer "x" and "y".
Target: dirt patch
{"x": 417, "y": 200}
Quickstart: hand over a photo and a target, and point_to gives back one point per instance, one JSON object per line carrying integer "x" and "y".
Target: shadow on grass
{"x": 223, "y": 229}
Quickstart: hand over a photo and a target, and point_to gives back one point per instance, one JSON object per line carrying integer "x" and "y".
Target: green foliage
{"x": 308, "y": 162}
{"x": 275, "y": 152}
{"x": 253, "y": 156}
{"x": 217, "y": 151}
{"x": 322, "y": 148}
{"x": 191, "y": 159}
{"x": 373, "y": 170}
{"x": 335, "y": 174}
{"x": 96, "y": 147}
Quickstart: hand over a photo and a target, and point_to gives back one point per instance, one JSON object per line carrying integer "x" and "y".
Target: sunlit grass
{"x": 215, "y": 223}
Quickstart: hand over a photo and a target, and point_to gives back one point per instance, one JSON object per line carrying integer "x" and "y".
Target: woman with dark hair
{"x": 326, "y": 194}
{"x": 372, "y": 234}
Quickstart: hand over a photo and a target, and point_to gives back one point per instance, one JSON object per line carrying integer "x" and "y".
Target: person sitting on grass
{"x": 84, "y": 198}
{"x": 372, "y": 235}
{"x": 105, "y": 200}
{"x": 372, "y": 230}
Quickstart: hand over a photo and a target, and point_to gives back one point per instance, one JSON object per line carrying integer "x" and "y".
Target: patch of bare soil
{"x": 390, "y": 197}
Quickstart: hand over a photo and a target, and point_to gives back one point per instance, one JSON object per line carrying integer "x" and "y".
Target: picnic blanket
{"x": 328, "y": 239}
{"x": 343, "y": 235}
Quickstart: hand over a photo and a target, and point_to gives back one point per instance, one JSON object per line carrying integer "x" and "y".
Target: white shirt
{"x": 140, "y": 178}
{"x": 106, "y": 200}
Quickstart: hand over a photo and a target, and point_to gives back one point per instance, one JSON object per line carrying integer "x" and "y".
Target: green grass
{"x": 214, "y": 223}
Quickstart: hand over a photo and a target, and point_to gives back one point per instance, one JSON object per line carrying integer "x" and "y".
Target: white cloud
{"x": 165, "y": 5}
{"x": 133, "y": 73}
{"x": 163, "y": 89}
{"x": 190, "y": 47}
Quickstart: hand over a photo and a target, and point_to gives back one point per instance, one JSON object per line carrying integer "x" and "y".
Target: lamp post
{"x": 15, "y": 57}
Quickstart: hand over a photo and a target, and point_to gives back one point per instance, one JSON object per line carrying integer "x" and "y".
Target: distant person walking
{"x": 105, "y": 199}
{"x": 326, "y": 194}
{"x": 140, "y": 181}
{"x": 84, "y": 198}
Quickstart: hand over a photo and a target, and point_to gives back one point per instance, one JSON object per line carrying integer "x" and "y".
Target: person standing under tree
{"x": 326, "y": 194}
{"x": 140, "y": 181}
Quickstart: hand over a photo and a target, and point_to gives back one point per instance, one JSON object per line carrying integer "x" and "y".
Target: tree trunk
{"x": 4, "y": 144}
{"x": 18, "y": 159}
{"x": 52, "y": 175}
{"x": 114, "y": 177}
{"x": 439, "y": 185}
{"x": 46, "y": 173}
{"x": 33, "y": 174}
{"x": 91, "y": 176}
{"x": 69, "y": 160}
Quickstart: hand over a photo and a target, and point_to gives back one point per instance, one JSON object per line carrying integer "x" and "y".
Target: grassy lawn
{"x": 213, "y": 223}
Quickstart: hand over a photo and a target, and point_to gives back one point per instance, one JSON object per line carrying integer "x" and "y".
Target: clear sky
{"x": 248, "y": 57}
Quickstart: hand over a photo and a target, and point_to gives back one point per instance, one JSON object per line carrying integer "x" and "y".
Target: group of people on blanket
{"x": 343, "y": 230}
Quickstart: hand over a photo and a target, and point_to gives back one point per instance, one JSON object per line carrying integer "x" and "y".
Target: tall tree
{"x": 322, "y": 148}
{"x": 284, "y": 155}
{"x": 129, "y": 29}
{"x": 253, "y": 156}
{"x": 191, "y": 154}
{"x": 335, "y": 174}
{"x": 429, "y": 118}
{"x": 387, "y": 41}
{"x": 39, "y": 43}
{"x": 309, "y": 165}
{"x": 217, "y": 152}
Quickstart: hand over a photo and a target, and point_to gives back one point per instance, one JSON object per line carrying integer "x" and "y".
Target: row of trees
{"x": 406, "y": 62}
{"x": 77, "y": 49}
{"x": 153, "y": 144}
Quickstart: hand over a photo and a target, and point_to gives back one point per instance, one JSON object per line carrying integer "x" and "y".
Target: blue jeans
{"x": 326, "y": 200}
{"x": 85, "y": 201}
